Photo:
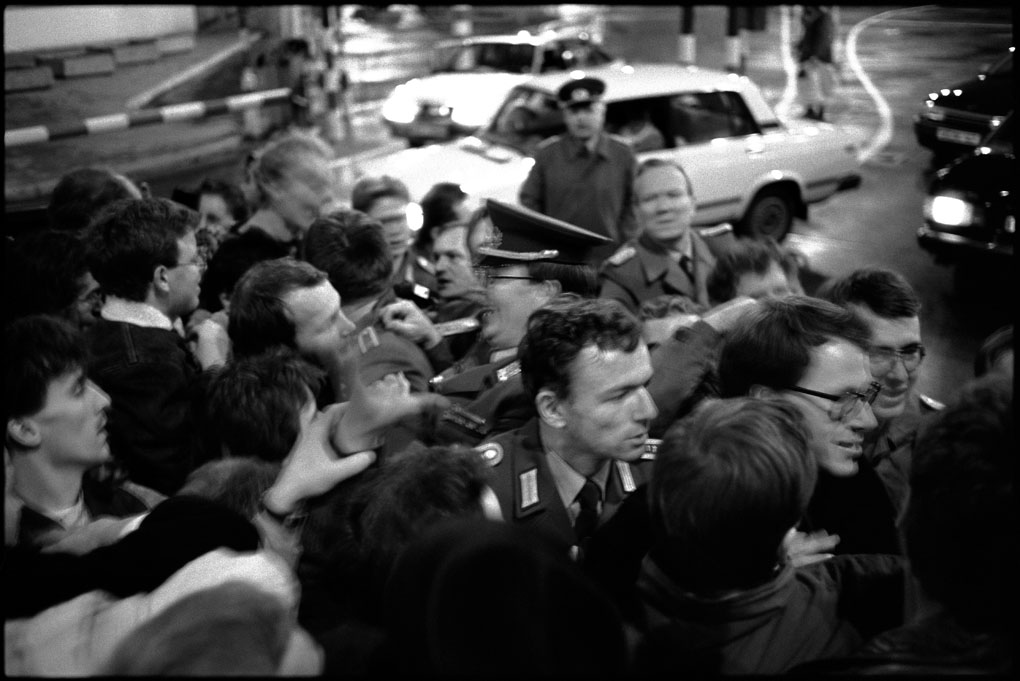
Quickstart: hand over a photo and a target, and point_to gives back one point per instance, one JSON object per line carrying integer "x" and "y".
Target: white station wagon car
{"x": 747, "y": 167}
{"x": 473, "y": 75}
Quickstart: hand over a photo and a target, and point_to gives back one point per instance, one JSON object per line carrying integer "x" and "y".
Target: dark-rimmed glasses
{"x": 846, "y": 406}
{"x": 884, "y": 359}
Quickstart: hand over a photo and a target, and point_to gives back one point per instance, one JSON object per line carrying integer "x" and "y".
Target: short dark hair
{"x": 368, "y": 190}
{"x": 885, "y": 292}
{"x": 582, "y": 280}
{"x": 43, "y": 273}
{"x": 747, "y": 256}
{"x": 728, "y": 483}
{"x": 254, "y": 402}
{"x": 351, "y": 249}
{"x": 437, "y": 209}
{"x": 38, "y": 349}
{"x": 231, "y": 195}
{"x": 131, "y": 238}
{"x": 232, "y": 259}
{"x": 771, "y": 346}
{"x": 413, "y": 491}
{"x": 558, "y": 331}
{"x": 959, "y": 526}
{"x": 259, "y": 319}
{"x": 81, "y": 193}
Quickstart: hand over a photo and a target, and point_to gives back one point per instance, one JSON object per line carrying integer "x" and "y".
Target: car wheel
{"x": 769, "y": 215}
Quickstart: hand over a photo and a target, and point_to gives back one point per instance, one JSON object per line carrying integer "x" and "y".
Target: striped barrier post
{"x": 165, "y": 114}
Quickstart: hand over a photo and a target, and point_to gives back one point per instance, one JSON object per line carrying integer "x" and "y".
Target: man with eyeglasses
{"x": 530, "y": 260}
{"x": 814, "y": 354}
{"x": 584, "y": 177}
{"x": 144, "y": 255}
{"x": 891, "y": 309}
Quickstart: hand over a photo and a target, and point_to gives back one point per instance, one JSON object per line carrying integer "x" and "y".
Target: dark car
{"x": 970, "y": 210}
{"x": 955, "y": 119}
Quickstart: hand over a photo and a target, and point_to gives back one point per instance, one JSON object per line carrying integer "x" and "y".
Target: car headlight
{"x": 399, "y": 108}
{"x": 951, "y": 211}
{"x": 470, "y": 114}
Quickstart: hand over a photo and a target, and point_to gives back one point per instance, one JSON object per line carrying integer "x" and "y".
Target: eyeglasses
{"x": 884, "y": 359}
{"x": 198, "y": 261}
{"x": 486, "y": 278}
{"x": 846, "y": 406}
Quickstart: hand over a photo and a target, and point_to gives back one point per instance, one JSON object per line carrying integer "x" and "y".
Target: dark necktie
{"x": 687, "y": 265}
{"x": 588, "y": 518}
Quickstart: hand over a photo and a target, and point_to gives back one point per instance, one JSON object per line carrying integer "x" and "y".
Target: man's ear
{"x": 550, "y": 408}
{"x": 25, "y": 432}
{"x": 161, "y": 279}
{"x": 551, "y": 288}
{"x": 762, "y": 392}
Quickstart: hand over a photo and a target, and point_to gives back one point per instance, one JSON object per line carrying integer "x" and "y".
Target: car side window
{"x": 702, "y": 116}
{"x": 641, "y": 123}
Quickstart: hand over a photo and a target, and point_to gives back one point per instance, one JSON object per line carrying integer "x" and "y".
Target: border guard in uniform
{"x": 668, "y": 257}
{"x": 585, "y": 366}
{"x": 530, "y": 260}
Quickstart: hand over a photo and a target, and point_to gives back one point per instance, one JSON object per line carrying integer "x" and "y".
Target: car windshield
{"x": 526, "y": 118}
{"x": 502, "y": 57}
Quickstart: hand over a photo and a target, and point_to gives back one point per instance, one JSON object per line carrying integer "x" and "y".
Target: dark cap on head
{"x": 580, "y": 91}
{"x": 524, "y": 235}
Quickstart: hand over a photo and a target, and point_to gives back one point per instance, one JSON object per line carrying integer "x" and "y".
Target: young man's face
{"x": 664, "y": 203}
{"x": 72, "y": 422}
{"x": 84, "y": 312}
{"x": 454, "y": 276}
{"x": 511, "y": 297}
{"x": 391, "y": 212}
{"x": 320, "y": 327}
{"x": 608, "y": 410}
{"x": 185, "y": 278}
{"x": 836, "y": 367}
{"x": 898, "y": 333}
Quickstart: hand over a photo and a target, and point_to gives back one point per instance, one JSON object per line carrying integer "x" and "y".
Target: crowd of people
{"x": 263, "y": 431}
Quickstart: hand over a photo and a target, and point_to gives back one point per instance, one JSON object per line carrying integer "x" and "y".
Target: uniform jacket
{"x": 490, "y": 399}
{"x": 819, "y": 610}
{"x": 152, "y": 380}
{"x": 527, "y": 492}
{"x": 890, "y": 447}
{"x": 593, "y": 192}
{"x": 641, "y": 270}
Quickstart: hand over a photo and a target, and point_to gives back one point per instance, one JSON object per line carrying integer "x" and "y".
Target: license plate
{"x": 950, "y": 135}
{"x": 428, "y": 130}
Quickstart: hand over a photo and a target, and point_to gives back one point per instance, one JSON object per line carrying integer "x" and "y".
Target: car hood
{"x": 449, "y": 88}
{"x": 984, "y": 173}
{"x": 989, "y": 95}
{"x": 482, "y": 169}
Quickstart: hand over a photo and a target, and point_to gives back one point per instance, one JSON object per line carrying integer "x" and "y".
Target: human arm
{"x": 532, "y": 191}
{"x": 407, "y": 320}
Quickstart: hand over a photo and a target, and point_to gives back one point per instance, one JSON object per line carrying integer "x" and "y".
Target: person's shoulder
{"x": 548, "y": 144}
{"x": 625, "y": 256}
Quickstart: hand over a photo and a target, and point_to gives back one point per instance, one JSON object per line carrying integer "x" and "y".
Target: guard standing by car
{"x": 584, "y": 177}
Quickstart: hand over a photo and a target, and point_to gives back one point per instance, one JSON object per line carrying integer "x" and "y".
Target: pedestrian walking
{"x": 816, "y": 73}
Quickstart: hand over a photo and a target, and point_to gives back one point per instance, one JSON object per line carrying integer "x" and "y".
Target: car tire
{"x": 770, "y": 214}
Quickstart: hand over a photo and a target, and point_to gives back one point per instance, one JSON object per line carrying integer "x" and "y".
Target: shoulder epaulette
{"x": 622, "y": 256}
{"x": 509, "y": 371}
{"x": 465, "y": 419}
{"x": 367, "y": 340}
{"x": 931, "y": 403}
{"x": 491, "y": 452}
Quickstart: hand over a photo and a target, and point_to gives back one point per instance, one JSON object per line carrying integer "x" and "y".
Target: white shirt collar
{"x": 135, "y": 312}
